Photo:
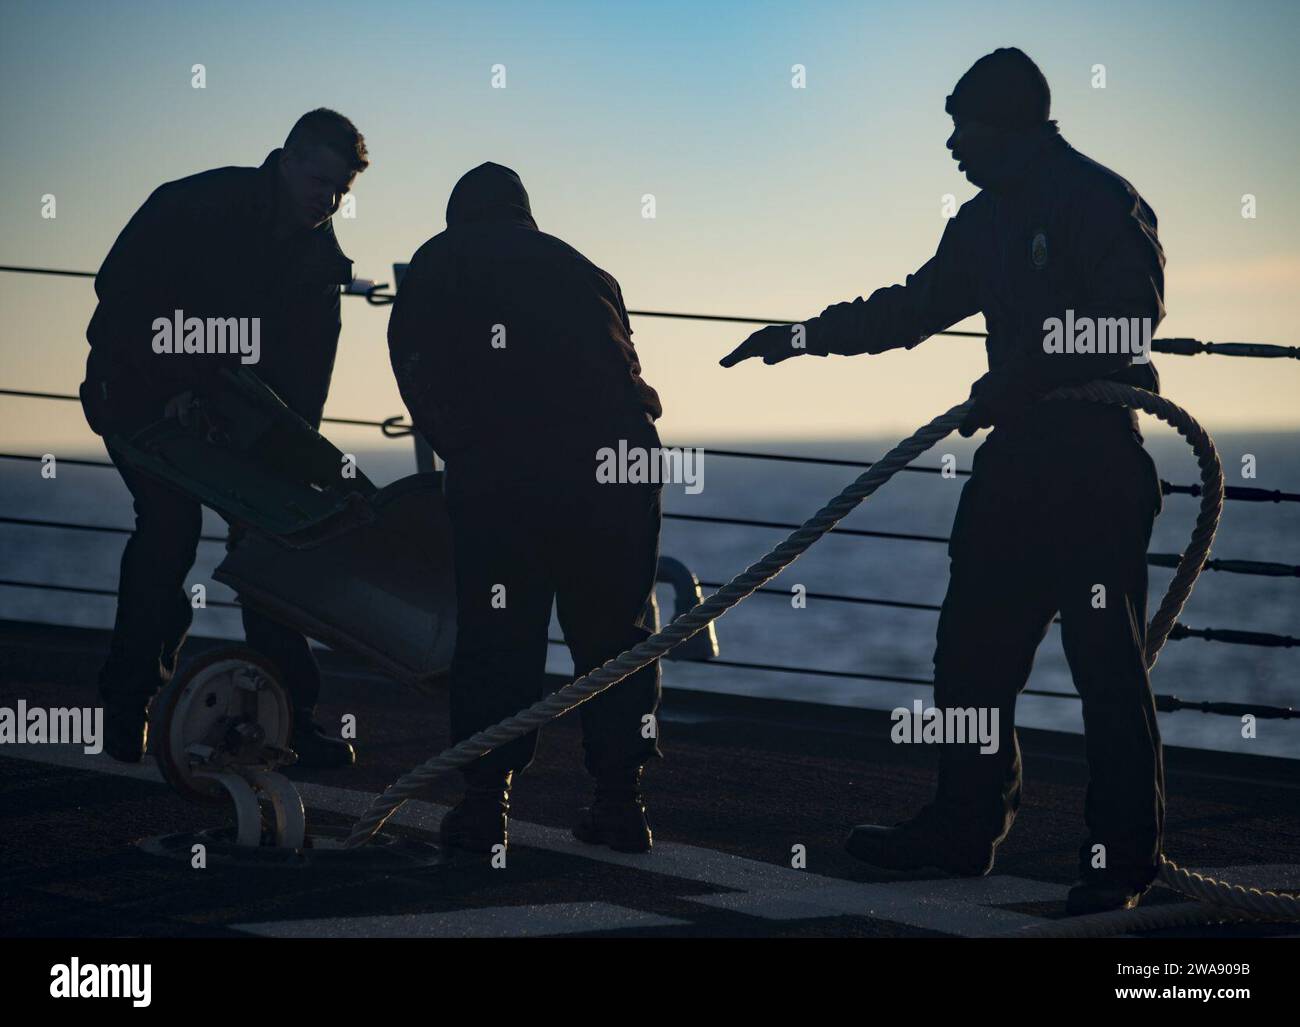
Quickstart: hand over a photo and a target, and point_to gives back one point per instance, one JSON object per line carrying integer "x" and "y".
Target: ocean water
{"x": 825, "y": 635}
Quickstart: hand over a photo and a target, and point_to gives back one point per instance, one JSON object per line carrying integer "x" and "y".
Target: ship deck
{"x": 743, "y": 782}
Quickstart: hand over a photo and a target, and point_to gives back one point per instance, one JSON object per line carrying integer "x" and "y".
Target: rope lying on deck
{"x": 1207, "y": 890}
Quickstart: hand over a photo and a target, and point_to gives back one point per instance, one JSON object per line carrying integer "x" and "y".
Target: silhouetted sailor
{"x": 228, "y": 243}
{"x": 513, "y": 353}
{"x": 1059, "y": 509}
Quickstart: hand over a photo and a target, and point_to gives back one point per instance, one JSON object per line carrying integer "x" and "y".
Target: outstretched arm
{"x": 936, "y": 297}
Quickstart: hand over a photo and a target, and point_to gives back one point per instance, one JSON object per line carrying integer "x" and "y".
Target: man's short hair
{"x": 324, "y": 127}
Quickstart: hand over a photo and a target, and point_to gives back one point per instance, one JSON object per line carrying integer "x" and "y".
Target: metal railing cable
{"x": 745, "y": 454}
{"x": 1164, "y": 703}
{"x": 19, "y": 269}
{"x": 376, "y": 295}
{"x": 389, "y": 425}
{"x": 1263, "y": 568}
{"x": 1236, "y": 898}
{"x": 395, "y": 427}
{"x": 107, "y": 529}
{"x": 86, "y": 590}
{"x": 1178, "y": 347}
{"x": 1231, "y": 636}
{"x": 1246, "y": 493}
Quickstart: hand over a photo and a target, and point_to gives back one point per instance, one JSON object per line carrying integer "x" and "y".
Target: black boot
{"x": 617, "y": 816}
{"x": 317, "y": 750}
{"x": 126, "y": 725}
{"x": 930, "y": 840}
{"x": 479, "y": 821}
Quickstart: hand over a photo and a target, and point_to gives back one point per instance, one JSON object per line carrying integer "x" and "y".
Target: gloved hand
{"x": 193, "y": 414}
{"x": 999, "y": 396}
{"x": 182, "y": 407}
{"x": 773, "y": 343}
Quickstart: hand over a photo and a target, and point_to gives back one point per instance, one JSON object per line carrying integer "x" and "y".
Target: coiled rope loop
{"x": 1207, "y": 890}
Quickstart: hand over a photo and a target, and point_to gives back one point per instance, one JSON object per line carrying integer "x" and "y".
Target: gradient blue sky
{"x": 771, "y": 201}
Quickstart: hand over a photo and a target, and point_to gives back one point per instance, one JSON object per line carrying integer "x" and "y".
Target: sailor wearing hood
{"x": 514, "y": 356}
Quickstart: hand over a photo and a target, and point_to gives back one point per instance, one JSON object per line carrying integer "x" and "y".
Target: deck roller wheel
{"x": 225, "y": 712}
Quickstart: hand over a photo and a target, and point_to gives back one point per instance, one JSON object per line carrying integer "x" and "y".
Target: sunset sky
{"x": 771, "y": 201}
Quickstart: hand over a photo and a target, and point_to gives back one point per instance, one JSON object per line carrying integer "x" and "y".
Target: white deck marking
{"x": 488, "y": 922}
{"x": 881, "y": 902}
{"x": 960, "y": 906}
{"x": 766, "y": 890}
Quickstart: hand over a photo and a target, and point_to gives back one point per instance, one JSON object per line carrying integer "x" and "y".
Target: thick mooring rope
{"x": 1223, "y": 897}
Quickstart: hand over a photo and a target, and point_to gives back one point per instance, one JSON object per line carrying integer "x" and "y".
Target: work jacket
{"x": 204, "y": 245}
{"x": 1066, "y": 238}
{"x": 512, "y": 350}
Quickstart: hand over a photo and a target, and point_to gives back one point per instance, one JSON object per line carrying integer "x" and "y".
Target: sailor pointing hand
{"x": 774, "y": 343}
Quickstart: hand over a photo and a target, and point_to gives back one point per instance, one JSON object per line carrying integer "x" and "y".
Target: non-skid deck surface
{"x": 743, "y": 783}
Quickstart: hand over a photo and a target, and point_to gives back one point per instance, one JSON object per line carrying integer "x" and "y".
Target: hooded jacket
{"x": 1063, "y": 234}
{"x": 205, "y": 245}
{"x": 512, "y": 351}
